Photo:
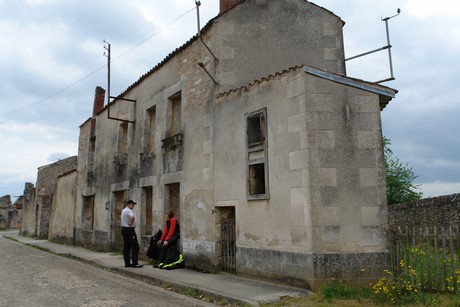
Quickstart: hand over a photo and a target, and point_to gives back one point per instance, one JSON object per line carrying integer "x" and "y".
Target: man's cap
{"x": 131, "y": 202}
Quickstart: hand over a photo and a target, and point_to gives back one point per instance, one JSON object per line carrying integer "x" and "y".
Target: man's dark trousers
{"x": 130, "y": 245}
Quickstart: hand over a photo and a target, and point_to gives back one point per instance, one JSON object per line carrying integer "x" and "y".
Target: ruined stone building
{"x": 10, "y": 214}
{"x": 41, "y": 201}
{"x": 270, "y": 156}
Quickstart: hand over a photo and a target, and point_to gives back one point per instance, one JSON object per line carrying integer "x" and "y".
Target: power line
{"x": 34, "y": 104}
{"x": 154, "y": 33}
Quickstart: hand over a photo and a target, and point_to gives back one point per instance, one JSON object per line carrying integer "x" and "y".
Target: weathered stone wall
{"x": 311, "y": 270}
{"x": 62, "y": 220}
{"x": 436, "y": 211}
{"x": 47, "y": 178}
{"x": 9, "y": 214}
{"x": 28, "y": 210}
{"x": 327, "y": 207}
{"x": 5, "y": 203}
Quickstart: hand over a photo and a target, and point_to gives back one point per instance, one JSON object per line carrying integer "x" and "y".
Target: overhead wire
{"x": 34, "y": 104}
{"x": 154, "y": 33}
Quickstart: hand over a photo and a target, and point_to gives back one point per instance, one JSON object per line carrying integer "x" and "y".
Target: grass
{"x": 341, "y": 295}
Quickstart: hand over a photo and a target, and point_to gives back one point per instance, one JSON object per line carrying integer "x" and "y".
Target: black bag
{"x": 152, "y": 250}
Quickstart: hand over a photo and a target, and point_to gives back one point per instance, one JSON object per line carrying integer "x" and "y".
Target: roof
{"x": 385, "y": 93}
{"x": 188, "y": 43}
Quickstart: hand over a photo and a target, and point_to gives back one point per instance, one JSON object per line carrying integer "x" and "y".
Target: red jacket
{"x": 171, "y": 227}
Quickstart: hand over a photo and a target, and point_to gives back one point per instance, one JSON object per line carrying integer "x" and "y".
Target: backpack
{"x": 152, "y": 250}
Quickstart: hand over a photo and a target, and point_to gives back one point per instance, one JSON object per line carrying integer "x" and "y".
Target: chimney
{"x": 99, "y": 97}
{"x": 225, "y": 5}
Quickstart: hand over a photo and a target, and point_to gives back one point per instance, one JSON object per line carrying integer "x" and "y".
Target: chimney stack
{"x": 99, "y": 97}
{"x": 225, "y": 5}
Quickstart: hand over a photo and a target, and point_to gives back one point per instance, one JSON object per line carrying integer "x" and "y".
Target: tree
{"x": 400, "y": 178}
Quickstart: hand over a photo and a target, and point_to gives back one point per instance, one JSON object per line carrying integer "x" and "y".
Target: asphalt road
{"x": 30, "y": 277}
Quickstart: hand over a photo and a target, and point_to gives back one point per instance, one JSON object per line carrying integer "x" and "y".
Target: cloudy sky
{"x": 52, "y": 58}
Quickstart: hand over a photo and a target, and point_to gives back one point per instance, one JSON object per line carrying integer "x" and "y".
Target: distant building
{"x": 10, "y": 217}
{"x": 41, "y": 201}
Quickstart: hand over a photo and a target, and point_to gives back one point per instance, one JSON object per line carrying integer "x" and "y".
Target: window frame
{"x": 256, "y": 153}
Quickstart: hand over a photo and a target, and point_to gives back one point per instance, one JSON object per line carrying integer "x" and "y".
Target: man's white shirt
{"x": 126, "y": 215}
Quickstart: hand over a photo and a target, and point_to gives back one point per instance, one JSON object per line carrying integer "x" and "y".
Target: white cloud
{"x": 29, "y": 146}
{"x": 427, "y": 8}
{"x": 438, "y": 188}
{"x": 38, "y": 2}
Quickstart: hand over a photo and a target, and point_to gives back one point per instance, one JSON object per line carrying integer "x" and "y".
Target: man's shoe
{"x": 128, "y": 265}
{"x": 137, "y": 265}
{"x": 161, "y": 265}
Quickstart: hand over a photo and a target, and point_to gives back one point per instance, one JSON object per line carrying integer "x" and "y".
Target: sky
{"x": 52, "y": 58}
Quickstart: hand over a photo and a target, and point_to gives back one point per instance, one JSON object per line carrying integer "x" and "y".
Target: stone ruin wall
{"x": 436, "y": 211}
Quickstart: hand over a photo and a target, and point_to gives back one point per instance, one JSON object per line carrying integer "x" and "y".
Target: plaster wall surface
{"x": 326, "y": 174}
{"x": 62, "y": 220}
{"x": 28, "y": 210}
{"x": 251, "y": 40}
{"x": 47, "y": 177}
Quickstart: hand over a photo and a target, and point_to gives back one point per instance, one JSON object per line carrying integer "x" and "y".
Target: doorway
{"x": 147, "y": 211}
{"x": 172, "y": 199}
{"x": 119, "y": 199}
{"x": 228, "y": 239}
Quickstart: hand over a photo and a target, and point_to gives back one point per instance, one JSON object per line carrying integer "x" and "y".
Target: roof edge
{"x": 361, "y": 84}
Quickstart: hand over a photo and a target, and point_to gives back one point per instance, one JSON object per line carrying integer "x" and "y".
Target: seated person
{"x": 171, "y": 234}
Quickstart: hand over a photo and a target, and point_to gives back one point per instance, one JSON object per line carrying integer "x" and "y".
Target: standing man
{"x": 130, "y": 244}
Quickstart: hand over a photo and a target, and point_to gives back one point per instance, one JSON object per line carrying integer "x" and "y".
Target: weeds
{"x": 191, "y": 292}
{"x": 401, "y": 288}
{"x": 341, "y": 291}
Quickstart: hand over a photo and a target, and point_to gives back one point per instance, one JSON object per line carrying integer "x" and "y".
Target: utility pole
{"x": 107, "y": 47}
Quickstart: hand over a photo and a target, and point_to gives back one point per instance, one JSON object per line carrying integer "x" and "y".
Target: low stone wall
{"x": 311, "y": 270}
{"x": 436, "y": 211}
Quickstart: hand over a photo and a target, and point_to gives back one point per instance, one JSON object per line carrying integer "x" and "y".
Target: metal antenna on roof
{"x": 388, "y": 46}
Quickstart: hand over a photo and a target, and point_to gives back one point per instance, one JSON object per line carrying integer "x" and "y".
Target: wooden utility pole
{"x": 107, "y": 47}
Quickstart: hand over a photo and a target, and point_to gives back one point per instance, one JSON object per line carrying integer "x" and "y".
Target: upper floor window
{"x": 123, "y": 138}
{"x": 256, "y": 129}
{"x": 257, "y": 155}
{"x": 174, "y": 114}
{"x": 150, "y": 127}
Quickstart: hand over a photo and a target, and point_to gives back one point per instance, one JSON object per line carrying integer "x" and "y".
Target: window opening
{"x": 173, "y": 199}
{"x": 123, "y": 138}
{"x": 255, "y": 131}
{"x": 257, "y": 179}
{"x": 174, "y": 111}
{"x": 257, "y": 155}
{"x": 147, "y": 211}
{"x": 150, "y": 129}
{"x": 88, "y": 213}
